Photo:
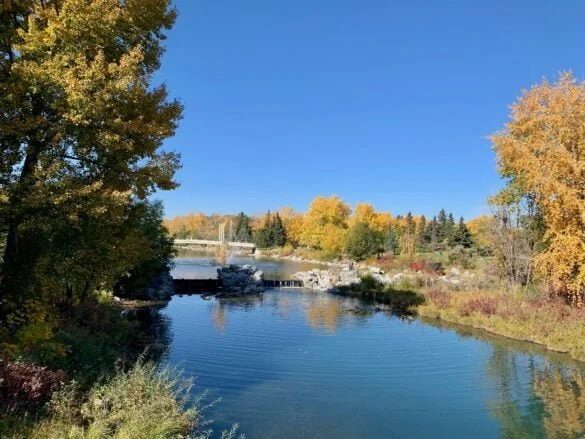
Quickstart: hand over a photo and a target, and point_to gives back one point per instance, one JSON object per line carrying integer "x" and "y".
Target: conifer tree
{"x": 431, "y": 234}
{"x": 263, "y": 235}
{"x": 391, "y": 241}
{"x": 450, "y": 228}
{"x": 461, "y": 235}
{"x": 277, "y": 232}
{"x": 441, "y": 230}
{"x": 243, "y": 230}
{"x": 421, "y": 233}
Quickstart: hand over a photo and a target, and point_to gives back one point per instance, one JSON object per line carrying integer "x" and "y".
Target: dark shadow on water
{"x": 369, "y": 290}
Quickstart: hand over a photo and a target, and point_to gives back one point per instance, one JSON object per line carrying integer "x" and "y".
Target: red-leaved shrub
{"x": 24, "y": 383}
{"x": 428, "y": 267}
{"x": 417, "y": 266}
{"x": 441, "y": 299}
{"x": 483, "y": 305}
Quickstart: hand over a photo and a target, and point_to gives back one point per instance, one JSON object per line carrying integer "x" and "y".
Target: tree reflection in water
{"x": 538, "y": 393}
{"x": 562, "y": 393}
{"x": 324, "y": 313}
{"x": 553, "y": 404}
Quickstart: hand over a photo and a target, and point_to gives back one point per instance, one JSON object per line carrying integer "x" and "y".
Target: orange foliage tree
{"x": 542, "y": 153}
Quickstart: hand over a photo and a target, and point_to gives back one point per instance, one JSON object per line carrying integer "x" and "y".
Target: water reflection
{"x": 372, "y": 375}
{"x": 155, "y": 329}
{"x": 324, "y": 313}
{"x": 562, "y": 393}
{"x": 538, "y": 393}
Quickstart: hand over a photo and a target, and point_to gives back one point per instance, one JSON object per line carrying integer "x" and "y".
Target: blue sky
{"x": 387, "y": 102}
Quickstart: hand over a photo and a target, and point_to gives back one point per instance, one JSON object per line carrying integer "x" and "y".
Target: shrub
{"x": 428, "y": 267}
{"x": 142, "y": 403}
{"x": 462, "y": 257}
{"x": 287, "y": 250}
{"x": 441, "y": 299}
{"x": 417, "y": 266}
{"x": 23, "y": 384}
{"x": 484, "y": 305}
{"x": 362, "y": 241}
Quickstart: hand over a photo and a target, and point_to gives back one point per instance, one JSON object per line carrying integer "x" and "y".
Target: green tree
{"x": 263, "y": 235}
{"x": 441, "y": 226}
{"x": 421, "y": 233}
{"x": 81, "y": 132}
{"x": 450, "y": 227}
{"x": 243, "y": 230}
{"x": 362, "y": 241}
{"x": 277, "y": 231}
{"x": 461, "y": 235}
{"x": 391, "y": 240}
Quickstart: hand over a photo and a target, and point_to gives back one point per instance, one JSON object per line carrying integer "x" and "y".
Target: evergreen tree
{"x": 391, "y": 241}
{"x": 462, "y": 235}
{"x": 441, "y": 229}
{"x": 243, "y": 230}
{"x": 263, "y": 236}
{"x": 450, "y": 228}
{"x": 421, "y": 233}
{"x": 410, "y": 224}
{"x": 431, "y": 234}
{"x": 277, "y": 232}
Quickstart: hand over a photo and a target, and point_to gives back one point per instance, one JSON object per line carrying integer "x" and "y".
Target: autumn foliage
{"x": 542, "y": 153}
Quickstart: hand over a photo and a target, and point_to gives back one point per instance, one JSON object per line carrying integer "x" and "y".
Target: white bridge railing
{"x": 215, "y": 243}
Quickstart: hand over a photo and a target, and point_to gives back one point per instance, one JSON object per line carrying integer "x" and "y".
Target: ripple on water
{"x": 297, "y": 364}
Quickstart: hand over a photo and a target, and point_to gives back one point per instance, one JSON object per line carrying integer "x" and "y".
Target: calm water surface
{"x": 300, "y": 364}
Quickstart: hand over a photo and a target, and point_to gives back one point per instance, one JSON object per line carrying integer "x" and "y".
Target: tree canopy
{"x": 541, "y": 152}
{"x": 81, "y": 134}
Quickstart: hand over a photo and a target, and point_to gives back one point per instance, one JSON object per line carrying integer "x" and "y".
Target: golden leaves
{"x": 542, "y": 150}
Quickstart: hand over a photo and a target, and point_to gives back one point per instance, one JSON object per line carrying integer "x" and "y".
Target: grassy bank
{"x": 544, "y": 321}
{"x": 95, "y": 377}
{"x": 142, "y": 402}
{"x": 514, "y": 314}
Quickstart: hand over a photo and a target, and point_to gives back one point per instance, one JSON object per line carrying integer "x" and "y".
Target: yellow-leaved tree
{"x": 542, "y": 153}
{"x": 325, "y": 224}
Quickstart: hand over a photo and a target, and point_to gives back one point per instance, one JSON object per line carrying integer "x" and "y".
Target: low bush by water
{"x": 371, "y": 289}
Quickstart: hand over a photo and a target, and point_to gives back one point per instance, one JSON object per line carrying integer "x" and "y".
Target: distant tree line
{"x": 330, "y": 226}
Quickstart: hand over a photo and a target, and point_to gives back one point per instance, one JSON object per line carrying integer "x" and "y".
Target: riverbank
{"x": 550, "y": 323}
{"x": 464, "y": 297}
{"x": 96, "y": 376}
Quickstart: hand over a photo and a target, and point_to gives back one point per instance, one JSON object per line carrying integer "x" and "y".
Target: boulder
{"x": 246, "y": 279}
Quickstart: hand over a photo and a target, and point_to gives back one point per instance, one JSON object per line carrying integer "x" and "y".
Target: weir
{"x": 197, "y": 286}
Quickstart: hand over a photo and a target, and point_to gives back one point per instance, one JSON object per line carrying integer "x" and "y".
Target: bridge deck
{"x": 214, "y": 243}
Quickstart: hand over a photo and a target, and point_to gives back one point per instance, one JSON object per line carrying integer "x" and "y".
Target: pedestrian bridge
{"x": 210, "y": 242}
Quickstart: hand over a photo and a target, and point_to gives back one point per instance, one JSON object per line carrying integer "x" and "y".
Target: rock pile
{"x": 324, "y": 280}
{"x": 241, "y": 280}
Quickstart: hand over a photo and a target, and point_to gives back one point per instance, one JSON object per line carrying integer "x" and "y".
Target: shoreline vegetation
{"x": 81, "y": 139}
{"x": 470, "y": 298}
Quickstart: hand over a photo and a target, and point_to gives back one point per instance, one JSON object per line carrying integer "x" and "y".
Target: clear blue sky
{"x": 387, "y": 102}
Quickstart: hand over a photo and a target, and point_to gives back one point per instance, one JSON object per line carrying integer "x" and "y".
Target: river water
{"x": 300, "y": 364}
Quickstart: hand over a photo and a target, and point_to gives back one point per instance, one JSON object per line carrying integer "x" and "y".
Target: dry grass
{"x": 548, "y": 322}
{"x": 142, "y": 403}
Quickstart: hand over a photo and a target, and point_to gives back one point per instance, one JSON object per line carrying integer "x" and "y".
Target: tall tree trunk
{"x": 11, "y": 266}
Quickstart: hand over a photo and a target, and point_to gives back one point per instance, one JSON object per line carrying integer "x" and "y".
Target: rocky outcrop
{"x": 160, "y": 287}
{"x": 325, "y": 280}
{"x": 241, "y": 280}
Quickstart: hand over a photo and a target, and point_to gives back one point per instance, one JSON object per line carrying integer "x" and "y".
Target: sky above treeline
{"x": 386, "y": 102}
